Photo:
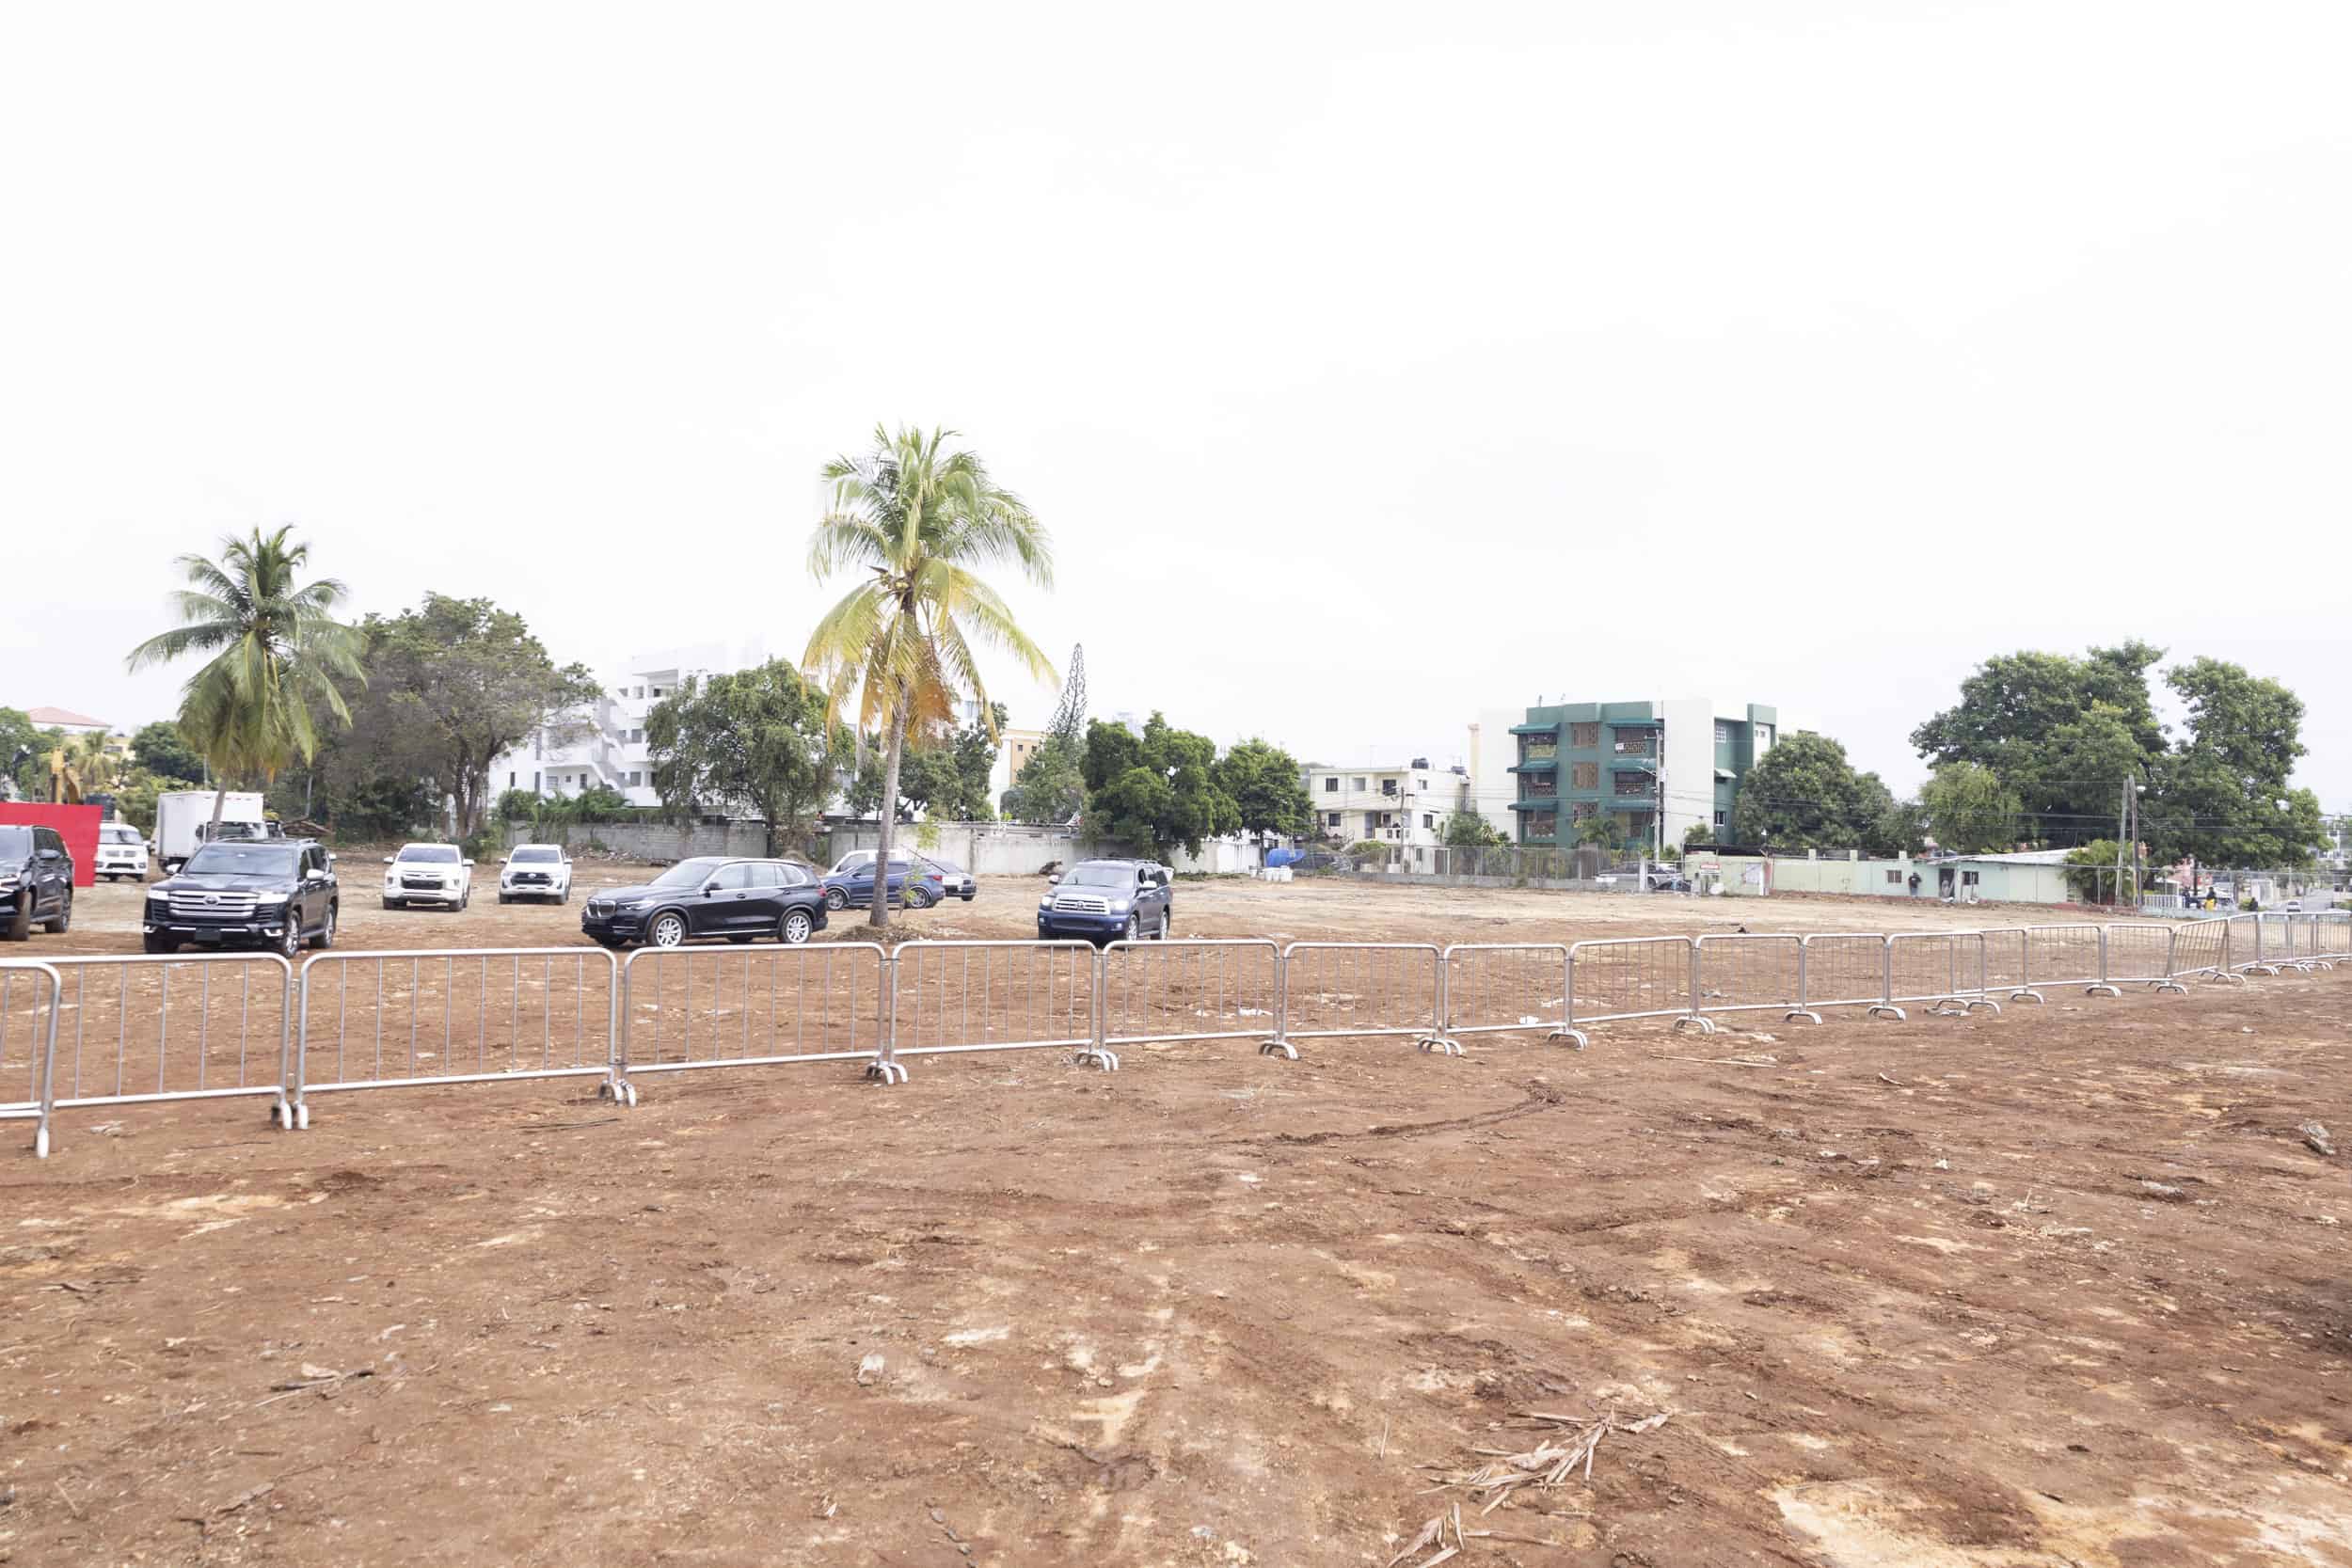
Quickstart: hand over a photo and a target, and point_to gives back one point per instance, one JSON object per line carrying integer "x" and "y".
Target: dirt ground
{"x": 2060, "y": 1285}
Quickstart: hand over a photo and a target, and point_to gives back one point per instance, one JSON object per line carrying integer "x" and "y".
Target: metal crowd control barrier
{"x": 1748, "y": 973}
{"x": 949, "y": 998}
{"x": 1845, "y": 969}
{"x": 2245, "y": 944}
{"x": 1629, "y": 977}
{"x": 2201, "y": 948}
{"x": 150, "y": 1029}
{"x": 2335, "y": 935}
{"x": 1943, "y": 969}
{"x": 457, "y": 1016}
{"x": 1500, "y": 988}
{"x": 1200, "y": 990}
{"x": 2138, "y": 955}
{"x": 1372, "y": 989}
{"x": 2318, "y": 950}
{"x": 768, "y": 1006}
{"x": 41, "y": 1045}
{"x": 2274, "y": 943}
{"x": 2068, "y": 956}
{"x": 2007, "y": 963}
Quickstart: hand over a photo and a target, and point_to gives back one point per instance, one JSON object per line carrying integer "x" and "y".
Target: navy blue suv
{"x": 1106, "y": 901}
{"x": 36, "y": 882}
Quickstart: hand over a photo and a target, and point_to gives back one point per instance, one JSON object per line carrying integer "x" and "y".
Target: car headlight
{"x": 261, "y": 898}
{"x": 9, "y": 879}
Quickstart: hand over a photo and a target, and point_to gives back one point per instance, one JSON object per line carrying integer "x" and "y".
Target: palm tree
{"x": 92, "y": 760}
{"x": 919, "y": 520}
{"x": 277, "y": 649}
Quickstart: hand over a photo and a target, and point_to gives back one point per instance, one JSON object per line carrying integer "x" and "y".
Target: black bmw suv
{"x": 272, "y": 893}
{"x": 710, "y": 896}
{"x": 36, "y": 882}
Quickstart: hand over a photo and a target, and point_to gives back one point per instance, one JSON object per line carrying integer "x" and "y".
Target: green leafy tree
{"x": 2063, "y": 732}
{"x": 1268, "y": 789}
{"x": 2222, "y": 793}
{"x": 462, "y": 682}
{"x": 758, "y": 738}
{"x": 1152, "y": 792}
{"x": 976, "y": 747}
{"x": 1050, "y": 789}
{"x": 163, "y": 750}
{"x": 1969, "y": 809}
{"x": 22, "y": 751}
{"x": 1468, "y": 830}
{"x": 1805, "y": 794}
{"x": 1601, "y": 830}
{"x": 1698, "y": 833}
{"x": 277, "y": 651}
{"x": 2093, "y": 877}
{"x": 917, "y": 519}
{"x": 1900, "y": 828}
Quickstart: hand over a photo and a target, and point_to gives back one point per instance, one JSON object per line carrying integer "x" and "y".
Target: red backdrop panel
{"x": 76, "y": 825}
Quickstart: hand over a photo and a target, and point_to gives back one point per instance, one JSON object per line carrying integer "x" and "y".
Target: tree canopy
{"x": 1805, "y": 794}
{"x": 163, "y": 750}
{"x": 1152, "y": 792}
{"x": 756, "y": 739}
{"x": 1969, "y": 809}
{"x": 1268, "y": 789}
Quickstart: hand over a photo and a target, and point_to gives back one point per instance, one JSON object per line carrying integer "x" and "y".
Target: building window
{"x": 1636, "y": 743}
{"x": 1331, "y": 786}
{"x": 1763, "y": 735}
{"x": 1967, "y": 879}
{"x": 1631, "y": 784}
{"x": 1583, "y": 736}
{"x": 1583, "y": 810}
{"x": 1429, "y": 819}
{"x": 510, "y": 781}
{"x": 1331, "y": 819}
{"x": 1722, "y": 734}
{"x": 1388, "y": 787}
{"x": 1542, "y": 824}
{"x": 1359, "y": 785}
{"x": 1719, "y": 819}
{"x": 1895, "y": 878}
{"x": 1533, "y": 749}
{"x": 535, "y": 785}
{"x": 1584, "y": 775}
{"x": 1534, "y": 788}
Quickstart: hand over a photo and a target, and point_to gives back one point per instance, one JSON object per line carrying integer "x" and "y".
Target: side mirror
{"x": 388, "y": 859}
{"x": 469, "y": 863}
{"x": 709, "y": 888}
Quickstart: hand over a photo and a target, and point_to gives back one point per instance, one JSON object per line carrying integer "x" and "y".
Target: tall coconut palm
{"x": 276, "y": 650}
{"x": 917, "y": 519}
{"x": 91, "y": 757}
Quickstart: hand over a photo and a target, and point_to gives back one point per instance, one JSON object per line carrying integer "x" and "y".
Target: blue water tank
{"x": 1285, "y": 857}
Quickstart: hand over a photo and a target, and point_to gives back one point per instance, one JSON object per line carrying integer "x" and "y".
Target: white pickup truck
{"x": 428, "y": 873}
{"x": 536, "y": 871}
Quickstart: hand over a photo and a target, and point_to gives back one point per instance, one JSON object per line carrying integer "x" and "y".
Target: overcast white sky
{"x": 1371, "y": 365}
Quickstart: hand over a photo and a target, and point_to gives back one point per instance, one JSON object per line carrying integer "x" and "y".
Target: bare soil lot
{"x": 2063, "y": 1286}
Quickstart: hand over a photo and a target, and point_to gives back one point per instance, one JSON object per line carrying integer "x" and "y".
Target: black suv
{"x": 272, "y": 893}
{"x": 1106, "y": 901}
{"x": 36, "y": 882}
{"x": 711, "y": 896}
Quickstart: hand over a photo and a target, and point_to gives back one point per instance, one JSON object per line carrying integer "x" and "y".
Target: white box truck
{"x": 182, "y": 817}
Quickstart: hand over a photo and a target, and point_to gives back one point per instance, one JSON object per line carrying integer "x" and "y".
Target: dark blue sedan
{"x": 915, "y": 884}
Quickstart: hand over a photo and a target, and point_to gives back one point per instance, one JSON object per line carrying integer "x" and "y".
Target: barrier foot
{"x": 885, "y": 1073}
{"x": 1983, "y": 1002}
{"x": 40, "y": 1143}
{"x": 1094, "y": 1055}
{"x": 1795, "y": 1013}
{"x": 2102, "y": 990}
{"x": 1949, "y": 1006}
{"x": 1707, "y": 1025}
{"x": 2028, "y": 996}
{"x": 1278, "y": 1048}
{"x": 1441, "y": 1046}
{"x": 1886, "y": 1009}
{"x": 302, "y": 1116}
{"x": 2261, "y": 969}
{"x": 1573, "y": 1037}
{"x": 2174, "y": 986}
{"x": 281, "y": 1115}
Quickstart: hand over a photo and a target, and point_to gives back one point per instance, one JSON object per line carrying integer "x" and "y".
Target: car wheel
{"x": 667, "y": 930}
{"x": 919, "y": 899}
{"x": 159, "y": 945}
{"x": 394, "y": 904}
{"x": 20, "y": 927}
{"x": 464, "y": 899}
{"x": 326, "y": 939}
{"x": 795, "y": 929}
{"x": 289, "y": 943}
{"x": 504, "y": 900}
{"x": 1133, "y": 928}
{"x": 1159, "y": 932}
{"x": 64, "y": 917}
{"x": 968, "y": 897}
{"x": 564, "y": 896}
{"x": 837, "y": 899}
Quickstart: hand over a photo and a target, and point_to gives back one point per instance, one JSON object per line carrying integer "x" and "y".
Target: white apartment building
{"x": 1404, "y": 803}
{"x": 604, "y": 743}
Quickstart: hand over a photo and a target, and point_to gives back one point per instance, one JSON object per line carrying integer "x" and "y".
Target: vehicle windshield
{"x": 950, "y": 867}
{"x": 693, "y": 873}
{"x": 536, "y": 852}
{"x": 119, "y": 835}
{"x": 244, "y": 860}
{"x": 16, "y": 843}
{"x": 431, "y": 855}
{"x": 1100, "y": 876}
